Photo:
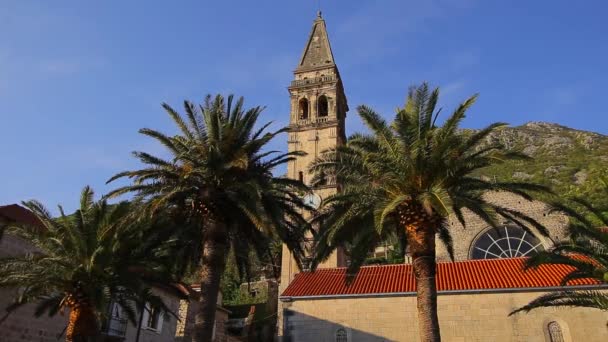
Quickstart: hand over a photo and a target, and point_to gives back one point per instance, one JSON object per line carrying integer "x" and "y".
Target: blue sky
{"x": 79, "y": 78}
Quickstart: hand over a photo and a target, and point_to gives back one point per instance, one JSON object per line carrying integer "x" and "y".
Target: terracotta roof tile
{"x": 451, "y": 276}
{"x": 17, "y": 213}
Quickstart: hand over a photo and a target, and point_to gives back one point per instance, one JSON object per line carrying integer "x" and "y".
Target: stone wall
{"x": 463, "y": 237}
{"x": 21, "y": 325}
{"x": 168, "y": 328}
{"x": 464, "y": 317}
{"x": 185, "y": 327}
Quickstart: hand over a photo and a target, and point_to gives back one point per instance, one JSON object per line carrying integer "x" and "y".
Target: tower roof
{"x": 317, "y": 52}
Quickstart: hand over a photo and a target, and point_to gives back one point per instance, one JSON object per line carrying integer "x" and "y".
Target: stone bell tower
{"x": 318, "y": 112}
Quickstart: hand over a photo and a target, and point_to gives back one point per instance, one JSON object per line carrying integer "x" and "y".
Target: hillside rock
{"x": 570, "y": 161}
{"x": 553, "y": 170}
{"x": 580, "y": 177}
{"x": 522, "y": 176}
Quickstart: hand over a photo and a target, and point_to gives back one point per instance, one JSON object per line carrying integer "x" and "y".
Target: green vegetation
{"x": 219, "y": 183}
{"x": 587, "y": 253}
{"x": 406, "y": 178}
{"x": 570, "y": 161}
{"x": 85, "y": 261}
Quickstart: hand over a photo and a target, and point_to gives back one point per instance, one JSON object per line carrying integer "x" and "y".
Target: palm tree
{"x": 83, "y": 262}
{"x": 406, "y": 178}
{"x": 586, "y": 253}
{"x": 219, "y": 182}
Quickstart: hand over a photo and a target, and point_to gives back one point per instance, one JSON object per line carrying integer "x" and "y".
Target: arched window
{"x": 301, "y": 176}
{"x": 303, "y": 109}
{"x": 555, "y": 332}
{"x": 323, "y": 106}
{"x": 509, "y": 241}
{"x": 341, "y": 335}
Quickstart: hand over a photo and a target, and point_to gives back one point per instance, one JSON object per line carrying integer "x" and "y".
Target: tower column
{"x": 316, "y": 75}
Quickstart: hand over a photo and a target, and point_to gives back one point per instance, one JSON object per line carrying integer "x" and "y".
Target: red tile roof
{"x": 17, "y": 213}
{"x": 470, "y": 275}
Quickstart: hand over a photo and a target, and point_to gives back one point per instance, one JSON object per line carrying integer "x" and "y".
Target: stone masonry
{"x": 476, "y": 317}
{"x": 464, "y": 238}
{"x": 318, "y": 112}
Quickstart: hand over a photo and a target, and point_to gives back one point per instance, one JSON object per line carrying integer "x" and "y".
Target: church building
{"x": 475, "y": 293}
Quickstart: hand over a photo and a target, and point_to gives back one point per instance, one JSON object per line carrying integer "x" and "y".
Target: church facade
{"x": 476, "y": 292}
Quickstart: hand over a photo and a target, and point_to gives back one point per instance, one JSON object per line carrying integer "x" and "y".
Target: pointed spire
{"x": 317, "y": 52}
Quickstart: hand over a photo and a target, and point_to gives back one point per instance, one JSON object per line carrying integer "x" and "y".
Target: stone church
{"x": 476, "y": 292}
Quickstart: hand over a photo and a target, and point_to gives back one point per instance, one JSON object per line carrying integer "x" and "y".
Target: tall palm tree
{"x": 219, "y": 181}
{"x": 586, "y": 252}
{"x": 406, "y": 178}
{"x": 83, "y": 262}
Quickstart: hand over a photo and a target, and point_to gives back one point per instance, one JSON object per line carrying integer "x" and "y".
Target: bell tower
{"x": 318, "y": 112}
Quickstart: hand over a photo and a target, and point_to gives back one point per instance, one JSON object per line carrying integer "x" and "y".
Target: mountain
{"x": 570, "y": 161}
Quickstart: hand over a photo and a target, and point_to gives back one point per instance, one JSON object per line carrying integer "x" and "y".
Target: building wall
{"x": 313, "y": 136}
{"x": 465, "y": 317}
{"x": 168, "y": 329}
{"x": 185, "y": 326}
{"x": 464, "y": 236}
{"x": 21, "y": 325}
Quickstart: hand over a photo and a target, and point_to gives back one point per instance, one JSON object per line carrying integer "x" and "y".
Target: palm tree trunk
{"x": 82, "y": 324}
{"x": 421, "y": 241}
{"x": 215, "y": 247}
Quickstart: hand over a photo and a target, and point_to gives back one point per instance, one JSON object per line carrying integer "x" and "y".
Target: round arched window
{"x": 505, "y": 242}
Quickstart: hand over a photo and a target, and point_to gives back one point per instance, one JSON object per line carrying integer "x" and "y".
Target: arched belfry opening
{"x": 303, "y": 109}
{"x": 323, "y": 106}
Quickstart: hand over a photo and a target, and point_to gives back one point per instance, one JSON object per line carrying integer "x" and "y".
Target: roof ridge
{"x": 438, "y": 263}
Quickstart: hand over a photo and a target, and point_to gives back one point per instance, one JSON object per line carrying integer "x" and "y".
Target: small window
{"x": 301, "y": 176}
{"x": 303, "y": 109}
{"x": 555, "y": 332}
{"x": 341, "y": 335}
{"x": 116, "y": 311}
{"x": 153, "y": 318}
{"x": 323, "y": 106}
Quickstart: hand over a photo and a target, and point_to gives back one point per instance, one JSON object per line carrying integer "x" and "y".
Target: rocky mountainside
{"x": 569, "y": 160}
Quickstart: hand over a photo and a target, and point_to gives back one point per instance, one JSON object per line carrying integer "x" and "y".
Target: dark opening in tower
{"x": 323, "y": 106}
{"x": 303, "y": 109}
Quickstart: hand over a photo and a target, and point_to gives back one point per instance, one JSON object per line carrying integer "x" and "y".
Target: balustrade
{"x": 315, "y": 80}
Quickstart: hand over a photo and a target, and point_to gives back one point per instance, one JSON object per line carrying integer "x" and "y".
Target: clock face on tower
{"x": 312, "y": 200}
